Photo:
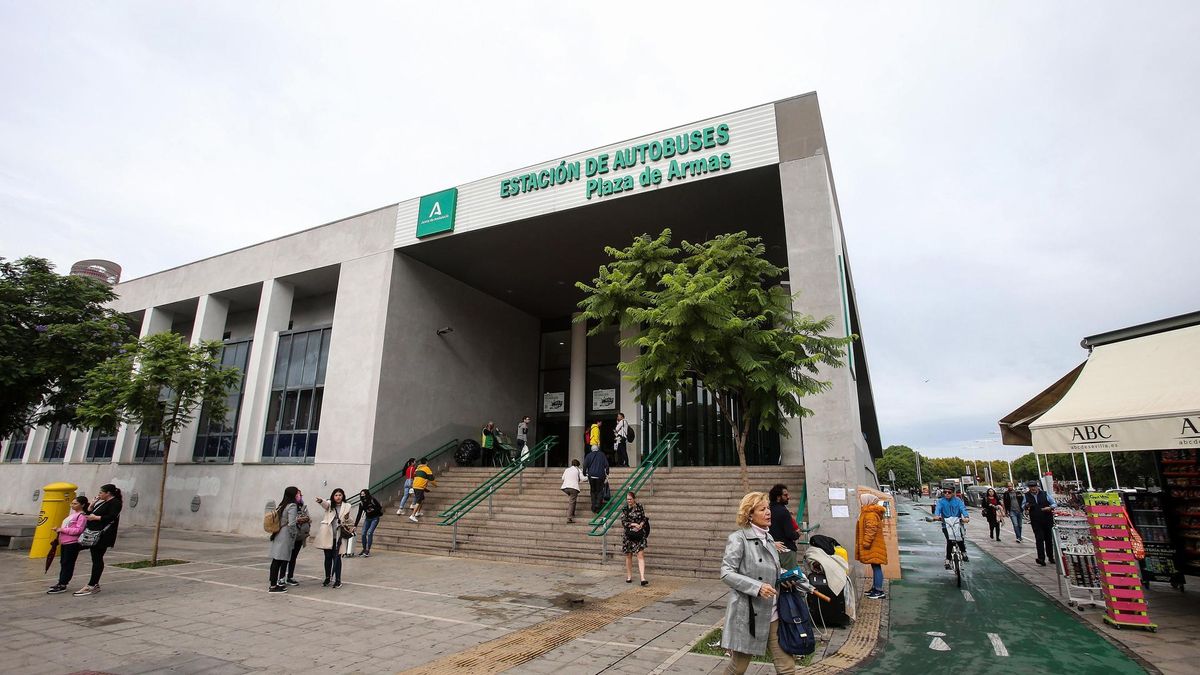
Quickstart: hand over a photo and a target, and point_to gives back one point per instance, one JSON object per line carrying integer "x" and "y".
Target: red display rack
{"x": 1121, "y": 581}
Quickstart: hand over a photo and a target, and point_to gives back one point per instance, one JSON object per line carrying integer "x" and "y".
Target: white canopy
{"x": 1136, "y": 394}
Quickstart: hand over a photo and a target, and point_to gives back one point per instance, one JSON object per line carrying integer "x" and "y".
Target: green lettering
{"x": 722, "y": 134}
{"x": 709, "y": 141}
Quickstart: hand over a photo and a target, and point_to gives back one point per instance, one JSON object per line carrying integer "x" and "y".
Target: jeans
{"x": 291, "y": 568}
{"x": 97, "y": 564}
{"x": 406, "y": 495}
{"x": 876, "y": 577}
{"x": 1015, "y": 518}
{"x": 368, "y": 533}
{"x": 333, "y": 564}
{"x": 67, "y": 556}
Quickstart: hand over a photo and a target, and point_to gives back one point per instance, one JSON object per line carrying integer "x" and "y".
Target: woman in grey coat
{"x": 284, "y": 540}
{"x": 751, "y": 568}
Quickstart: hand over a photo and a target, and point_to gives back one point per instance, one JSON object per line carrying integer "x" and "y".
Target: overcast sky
{"x": 1012, "y": 176}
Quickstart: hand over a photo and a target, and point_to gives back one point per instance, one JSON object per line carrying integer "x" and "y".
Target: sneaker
{"x": 366, "y": 554}
{"x": 413, "y": 518}
{"x": 337, "y": 584}
{"x": 277, "y": 589}
{"x": 87, "y": 590}
{"x": 291, "y": 582}
{"x": 56, "y": 588}
{"x": 880, "y": 595}
{"x": 326, "y": 582}
{"x": 399, "y": 512}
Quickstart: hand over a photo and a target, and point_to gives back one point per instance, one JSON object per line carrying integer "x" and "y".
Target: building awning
{"x": 1136, "y": 394}
{"x": 1014, "y": 428}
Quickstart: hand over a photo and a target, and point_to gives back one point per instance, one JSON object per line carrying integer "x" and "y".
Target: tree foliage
{"x": 714, "y": 311}
{"x": 901, "y": 460}
{"x": 53, "y": 330}
{"x": 158, "y": 383}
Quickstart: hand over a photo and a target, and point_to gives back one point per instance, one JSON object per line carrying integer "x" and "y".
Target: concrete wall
{"x": 437, "y": 387}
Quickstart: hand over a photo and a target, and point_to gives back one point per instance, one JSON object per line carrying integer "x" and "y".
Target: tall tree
{"x": 900, "y": 460}
{"x": 53, "y": 330}
{"x": 158, "y": 383}
{"x": 716, "y": 312}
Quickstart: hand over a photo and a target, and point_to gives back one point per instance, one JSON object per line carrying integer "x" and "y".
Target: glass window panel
{"x": 303, "y": 408}
{"x": 273, "y": 411}
{"x": 603, "y": 348}
{"x": 318, "y": 397}
{"x": 312, "y": 446}
{"x": 288, "y": 419}
{"x": 281, "y": 361}
{"x": 296, "y": 359}
{"x": 556, "y": 349}
{"x": 311, "y": 356}
{"x": 268, "y": 445}
{"x": 323, "y": 361}
{"x": 225, "y": 447}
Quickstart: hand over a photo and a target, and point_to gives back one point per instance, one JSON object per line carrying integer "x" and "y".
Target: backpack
{"x": 797, "y": 634}
{"x": 271, "y": 523}
{"x": 629, "y": 434}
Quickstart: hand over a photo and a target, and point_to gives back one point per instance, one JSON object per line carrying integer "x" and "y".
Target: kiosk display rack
{"x": 1181, "y": 474}
{"x": 1077, "y": 561}
{"x": 1120, "y": 576}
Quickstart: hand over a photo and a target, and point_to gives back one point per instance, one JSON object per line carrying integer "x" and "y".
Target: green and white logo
{"x": 435, "y": 214}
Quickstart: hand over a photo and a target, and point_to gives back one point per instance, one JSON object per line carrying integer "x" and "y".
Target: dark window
{"x": 100, "y": 446}
{"x": 297, "y": 392}
{"x": 705, "y": 437}
{"x": 216, "y": 439}
{"x": 15, "y": 451}
{"x": 56, "y": 443}
{"x": 149, "y": 448}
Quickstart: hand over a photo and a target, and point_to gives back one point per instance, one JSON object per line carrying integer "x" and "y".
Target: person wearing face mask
{"x": 750, "y": 567}
{"x": 68, "y": 543}
{"x": 371, "y": 508}
{"x": 283, "y": 541}
{"x": 303, "y": 528}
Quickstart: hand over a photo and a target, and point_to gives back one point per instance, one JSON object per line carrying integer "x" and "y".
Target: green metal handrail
{"x": 604, "y": 520}
{"x": 380, "y": 485}
{"x": 460, "y": 508}
{"x": 800, "y": 514}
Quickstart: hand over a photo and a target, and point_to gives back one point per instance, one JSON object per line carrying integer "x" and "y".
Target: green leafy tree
{"x": 900, "y": 459}
{"x": 158, "y": 383}
{"x": 713, "y": 311}
{"x": 53, "y": 330}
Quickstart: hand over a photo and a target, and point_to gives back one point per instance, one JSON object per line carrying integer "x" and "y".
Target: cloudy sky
{"x": 1012, "y": 176}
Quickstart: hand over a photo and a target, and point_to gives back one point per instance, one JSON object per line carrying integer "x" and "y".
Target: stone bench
{"x": 16, "y": 537}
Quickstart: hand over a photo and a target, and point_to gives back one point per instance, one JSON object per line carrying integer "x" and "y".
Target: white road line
{"x": 967, "y": 595}
{"x": 1018, "y": 557}
{"x": 997, "y": 645}
{"x": 939, "y": 645}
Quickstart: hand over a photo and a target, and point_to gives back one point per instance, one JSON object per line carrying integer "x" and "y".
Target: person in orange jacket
{"x": 869, "y": 545}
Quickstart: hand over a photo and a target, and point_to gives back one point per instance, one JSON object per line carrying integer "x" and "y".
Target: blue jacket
{"x": 595, "y": 465}
{"x": 950, "y": 508}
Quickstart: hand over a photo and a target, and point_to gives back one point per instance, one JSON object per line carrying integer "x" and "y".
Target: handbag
{"x": 89, "y": 538}
{"x": 344, "y": 531}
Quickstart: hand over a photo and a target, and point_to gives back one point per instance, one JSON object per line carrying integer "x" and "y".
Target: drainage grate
{"x": 527, "y": 644}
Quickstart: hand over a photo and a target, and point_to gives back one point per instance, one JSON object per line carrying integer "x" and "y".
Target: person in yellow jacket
{"x": 423, "y": 481}
{"x": 869, "y": 544}
{"x": 594, "y": 435}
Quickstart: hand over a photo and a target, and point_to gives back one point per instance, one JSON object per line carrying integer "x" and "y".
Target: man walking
{"x": 523, "y": 437}
{"x": 1041, "y": 520}
{"x": 621, "y": 433}
{"x": 1012, "y": 505}
{"x": 570, "y": 486}
{"x": 595, "y": 465}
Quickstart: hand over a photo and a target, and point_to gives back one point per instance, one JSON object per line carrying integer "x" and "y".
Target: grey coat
{"x": 285, "y": 538}
{"x": 749, "y": 563}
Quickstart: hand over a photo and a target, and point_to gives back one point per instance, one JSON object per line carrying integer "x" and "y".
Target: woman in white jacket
{"x": 330, "y": 534}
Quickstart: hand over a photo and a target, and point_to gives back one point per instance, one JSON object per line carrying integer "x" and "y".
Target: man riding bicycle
{"x": 950, "y": 506}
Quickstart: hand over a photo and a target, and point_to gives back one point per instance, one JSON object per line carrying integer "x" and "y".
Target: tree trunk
{"x": 725, "y": 408}
{"x": 162, "y": 493}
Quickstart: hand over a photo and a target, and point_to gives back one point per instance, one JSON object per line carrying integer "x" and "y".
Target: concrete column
{"x": 77, "y": 446}
{"x": 576, "y": 420}
{"x": 154, "y": 321}
{"x": 274, "y": 312}
{"x": 627, "y": 400}
{"x": 209, "y": 324}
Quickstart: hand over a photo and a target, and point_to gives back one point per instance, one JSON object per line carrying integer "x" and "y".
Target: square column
{"x": 627, "y": 400}
{"x": 274, "y": 312}
{"x": 154, "y": 321}
{"x": 576, "y": 421}
{"x": 209, "y": 324}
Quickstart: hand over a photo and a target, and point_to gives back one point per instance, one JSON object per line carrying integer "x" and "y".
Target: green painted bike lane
{"x": 935, "y": 627}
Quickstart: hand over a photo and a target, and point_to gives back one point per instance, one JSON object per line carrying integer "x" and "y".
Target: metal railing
{"x": 644, "y": 474}
{"x": 384, "y": 483}
{"x": 485, "y": 490}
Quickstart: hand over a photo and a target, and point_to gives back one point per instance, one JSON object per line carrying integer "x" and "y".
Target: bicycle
{"x": 955, "y": 534}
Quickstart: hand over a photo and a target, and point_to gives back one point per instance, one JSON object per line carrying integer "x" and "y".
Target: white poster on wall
{"x": 554, "y": 401}
{"x": 604, "y": 399}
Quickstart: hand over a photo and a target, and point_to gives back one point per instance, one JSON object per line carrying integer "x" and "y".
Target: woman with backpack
{"x": 283, "y": 540}
{"x": 371, "y": 508}
{"x": 410, "y": 472}
{"x": 68, "y": 543}
{"x": 103, "y": 519}
{"x": 637, "y": 531}
{"x": 335, "y": 528}
{"x": 303, "y": 528}
{"x": 751, "y": 569}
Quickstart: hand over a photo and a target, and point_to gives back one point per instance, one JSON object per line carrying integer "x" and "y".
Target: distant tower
{"x": 105, "y": 271}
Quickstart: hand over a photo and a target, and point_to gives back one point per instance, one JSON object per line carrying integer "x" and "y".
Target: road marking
{"x": 997, "y": 645}
{"x": 934, "y": 633}
{"x": 967, "y": 595}
{"x": 939, "y": 645}
{"x": 1018, "y": 557}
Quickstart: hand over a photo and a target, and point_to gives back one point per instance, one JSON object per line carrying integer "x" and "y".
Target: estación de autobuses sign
{"x": 738, "y": 141}
{"x": 599, "y": 172}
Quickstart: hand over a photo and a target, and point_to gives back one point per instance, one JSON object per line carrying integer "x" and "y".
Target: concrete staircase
{"x": 691, "y": 509}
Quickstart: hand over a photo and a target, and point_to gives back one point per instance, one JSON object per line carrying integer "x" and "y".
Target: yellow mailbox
{"x": 56, "y": 503}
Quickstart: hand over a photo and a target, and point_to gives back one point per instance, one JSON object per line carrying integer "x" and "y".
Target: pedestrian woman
{"x": 869, "y": 545}
{"x": 371, "y": 508}
{"x": 335, "y": 527}
{"x": 283, "y": 541}
{"x": 104, "y": 516}
{"x": 68, "y": 543}
{"x": 993, "y": 510}
{"x": 303, "y": 528}
{"x": 634, "y": 522}
{"x": 410, "y": 471}
{"x": 751, "y": 568}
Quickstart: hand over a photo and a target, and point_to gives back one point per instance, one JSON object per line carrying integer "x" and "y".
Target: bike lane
{"x": 996, "y": 619}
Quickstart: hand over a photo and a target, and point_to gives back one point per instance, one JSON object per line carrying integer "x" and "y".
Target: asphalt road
{"x": 996, "y": 620}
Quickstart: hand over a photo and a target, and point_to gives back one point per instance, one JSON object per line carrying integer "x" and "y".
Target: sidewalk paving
{"x": 395, "y": 611}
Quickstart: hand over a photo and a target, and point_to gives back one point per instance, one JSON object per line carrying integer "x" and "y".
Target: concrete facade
{"x": 398, "y": 385}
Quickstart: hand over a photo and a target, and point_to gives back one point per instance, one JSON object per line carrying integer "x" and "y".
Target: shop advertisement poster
{"x": 604, "y": 399}
{"x": 554, "y": 401}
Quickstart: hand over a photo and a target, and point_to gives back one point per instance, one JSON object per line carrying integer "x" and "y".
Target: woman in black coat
{"x": 105, "y": 516}
{"x": 993, "y": 510}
